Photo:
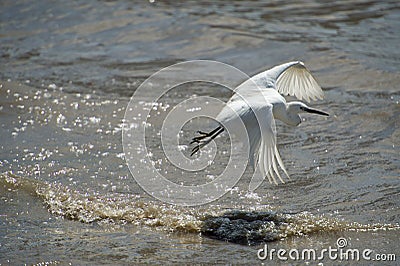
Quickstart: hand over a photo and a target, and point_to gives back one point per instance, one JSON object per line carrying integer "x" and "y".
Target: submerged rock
{"x": 244, "y": 227}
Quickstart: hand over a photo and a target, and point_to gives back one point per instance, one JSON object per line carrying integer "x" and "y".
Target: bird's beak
{"x": 314, "y": 111}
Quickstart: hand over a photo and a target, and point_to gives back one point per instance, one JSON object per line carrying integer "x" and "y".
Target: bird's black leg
{"x": 204, "y": 135}
{"x": 202, "y": 141}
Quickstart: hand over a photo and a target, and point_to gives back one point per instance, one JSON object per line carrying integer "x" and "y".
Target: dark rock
{"x": 243, "y": 227}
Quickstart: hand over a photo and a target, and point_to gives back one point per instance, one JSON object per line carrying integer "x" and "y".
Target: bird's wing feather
{"x": 263, "y": 148}
{"x": 296, "y": 80}
{"x": 291, "y": 78}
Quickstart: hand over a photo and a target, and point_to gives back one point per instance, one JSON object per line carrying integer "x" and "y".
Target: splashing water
{"x": 239, "y": 226}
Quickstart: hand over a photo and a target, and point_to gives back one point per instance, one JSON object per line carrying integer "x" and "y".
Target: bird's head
{"x": 299, "y": 107}
{"x": 294, "y": 108}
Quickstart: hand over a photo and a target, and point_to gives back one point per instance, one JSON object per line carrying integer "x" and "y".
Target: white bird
{"x": 258, "y": 102}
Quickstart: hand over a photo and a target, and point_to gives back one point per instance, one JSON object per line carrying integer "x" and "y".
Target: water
{"x": 68, "y": 71}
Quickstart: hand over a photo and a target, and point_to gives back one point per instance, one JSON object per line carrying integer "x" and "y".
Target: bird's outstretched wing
{"x": 263, "y": 147}
{"x": 292, "y": 79}
{"x": 297, "y": 81}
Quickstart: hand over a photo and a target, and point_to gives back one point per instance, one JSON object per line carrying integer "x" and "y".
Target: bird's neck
{"x": 282, "y": 112}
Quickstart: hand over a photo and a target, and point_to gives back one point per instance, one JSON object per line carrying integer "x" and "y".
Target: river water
{"x": 69, "y": 68}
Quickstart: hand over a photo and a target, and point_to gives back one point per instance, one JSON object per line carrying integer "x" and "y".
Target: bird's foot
{"x": 205, "y": 138}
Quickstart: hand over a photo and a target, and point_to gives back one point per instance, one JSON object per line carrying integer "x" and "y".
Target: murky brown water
{"x": 68, "y": 71}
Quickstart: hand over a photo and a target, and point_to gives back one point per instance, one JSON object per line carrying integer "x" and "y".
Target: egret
{"x": 258, "y": 102}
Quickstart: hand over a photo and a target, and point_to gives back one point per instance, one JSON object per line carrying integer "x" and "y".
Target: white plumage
{"x": 258, "y": 102}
